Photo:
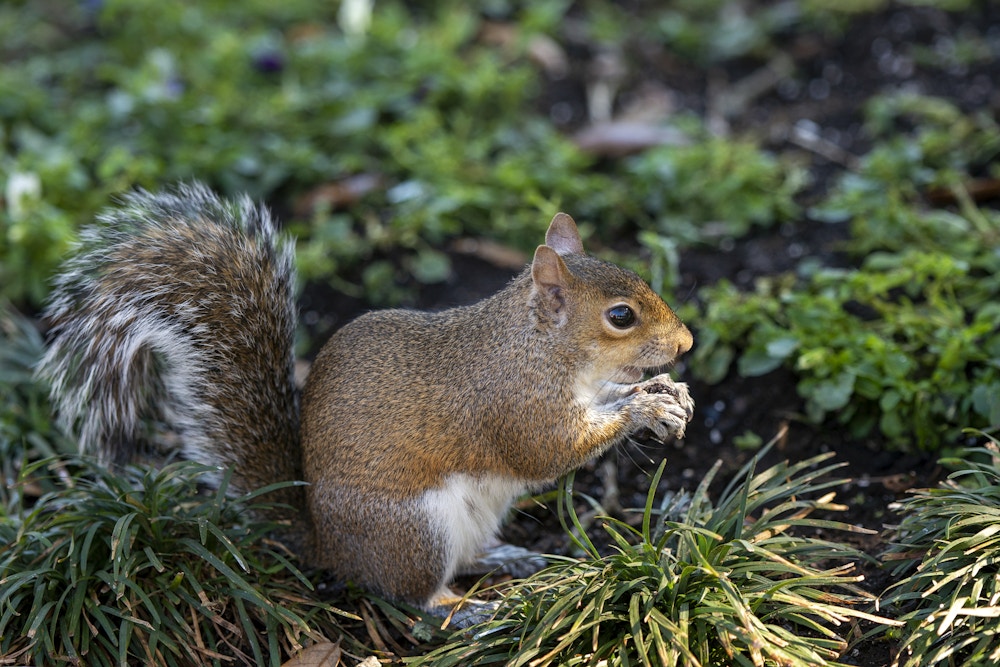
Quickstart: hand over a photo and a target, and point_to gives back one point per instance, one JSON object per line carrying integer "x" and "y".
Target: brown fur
{"x": 397, "y": 401}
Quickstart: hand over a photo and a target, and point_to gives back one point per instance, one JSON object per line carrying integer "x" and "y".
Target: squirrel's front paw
{"x": 667, "y": 406}
{"x": 664, "y": 384}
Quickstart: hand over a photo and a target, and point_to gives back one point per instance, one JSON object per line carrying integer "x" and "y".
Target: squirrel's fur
{"x": 179, "y": 306}
{"x": 418, "y": 429}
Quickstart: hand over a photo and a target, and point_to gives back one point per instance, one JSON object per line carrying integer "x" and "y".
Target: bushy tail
{"x": 179, "y": 307}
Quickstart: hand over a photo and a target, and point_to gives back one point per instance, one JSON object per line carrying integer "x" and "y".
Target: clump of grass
{"x": 696, "y": 584}
{"x": 139, "y": 568}
{"x": 948, "y": 543}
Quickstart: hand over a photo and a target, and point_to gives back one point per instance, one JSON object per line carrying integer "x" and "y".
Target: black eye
{"x": 621, "y": 316}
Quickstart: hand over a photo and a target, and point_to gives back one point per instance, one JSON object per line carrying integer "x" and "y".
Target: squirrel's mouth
{"x": 636, "y": 373}
{"x": 631, "y": 374}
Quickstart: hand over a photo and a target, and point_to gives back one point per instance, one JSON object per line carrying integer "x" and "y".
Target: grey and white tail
{"x": 178, "y": 307}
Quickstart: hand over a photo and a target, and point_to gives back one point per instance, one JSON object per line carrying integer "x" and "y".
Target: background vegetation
{"x": 383, "y": 133}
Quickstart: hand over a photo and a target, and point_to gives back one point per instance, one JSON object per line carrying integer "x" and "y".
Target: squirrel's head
{"x": 617, "y": 321}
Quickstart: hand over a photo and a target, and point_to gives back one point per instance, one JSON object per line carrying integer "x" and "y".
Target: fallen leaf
{"x": 979, "y": 189}
{"x": 325, "y": 654}
{"x": 495, "y": 253}
{"x": 338, "y": 194}
{"x": 620, "y": 138}
{"x": 542, "y": 49}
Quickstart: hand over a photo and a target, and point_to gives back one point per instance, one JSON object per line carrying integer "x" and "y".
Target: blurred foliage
{"x": 99, "y": 97}
{"x": 749, "y": 187}
{"x": 716, "y": 30}
{"x": 908, "y": 342}
{"x": 709, "y": 32}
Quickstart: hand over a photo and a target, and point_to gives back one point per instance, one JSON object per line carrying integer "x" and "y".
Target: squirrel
{"x": 416, "y": 430}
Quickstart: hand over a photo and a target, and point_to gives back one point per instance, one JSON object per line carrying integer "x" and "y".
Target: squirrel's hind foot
{"x": 459, "y": 613}
{"x": 505, "y": 558}
{"x": 498, "y": 557}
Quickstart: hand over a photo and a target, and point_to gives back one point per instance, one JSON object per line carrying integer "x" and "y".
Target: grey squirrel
{"x": 416, "y": 431}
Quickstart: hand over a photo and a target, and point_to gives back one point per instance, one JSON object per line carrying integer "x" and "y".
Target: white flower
{"x": 355, "y": 16}
{"x": 22, "y": 187}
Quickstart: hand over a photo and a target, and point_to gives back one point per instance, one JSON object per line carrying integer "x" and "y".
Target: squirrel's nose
{"x": 684, "y": 340}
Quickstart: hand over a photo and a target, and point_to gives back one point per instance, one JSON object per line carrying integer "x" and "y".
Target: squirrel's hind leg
{"x": 391, "y": 547}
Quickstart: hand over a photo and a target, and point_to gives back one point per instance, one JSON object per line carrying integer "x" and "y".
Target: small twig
{"x": 608, "y": 474}
{"x": 805, "y": 136}
{"x": 734, "y": 100}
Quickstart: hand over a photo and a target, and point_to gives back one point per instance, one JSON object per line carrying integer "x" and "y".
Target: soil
{"x": 823, "y": 98}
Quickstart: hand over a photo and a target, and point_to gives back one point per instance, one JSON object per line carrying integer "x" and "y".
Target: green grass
{"x": 739, "y": 581}
{"x": 944, "y": 556}
{"x": 27, "y": 430}
{"x": 139, "y": 567}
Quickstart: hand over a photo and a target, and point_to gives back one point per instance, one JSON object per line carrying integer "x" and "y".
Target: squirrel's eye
{"x": 621, "y": 316}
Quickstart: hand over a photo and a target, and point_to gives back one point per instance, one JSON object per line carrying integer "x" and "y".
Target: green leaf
{"x": 833, "y": 394}
{"x": 431, "y": 266}
{"x": 986, "y": 401}
{"x": 782, "y": 348}
{"x": 757, "y": 361}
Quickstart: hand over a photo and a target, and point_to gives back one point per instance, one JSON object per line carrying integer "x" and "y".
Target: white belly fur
{"x": 468, "y": 510}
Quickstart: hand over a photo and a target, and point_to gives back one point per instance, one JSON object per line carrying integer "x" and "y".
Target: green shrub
{"x": 714, "y": 188}
{"x": 885, "y": 198}
{"x": 889, "y": 346}
{"x": 713, "y": 31}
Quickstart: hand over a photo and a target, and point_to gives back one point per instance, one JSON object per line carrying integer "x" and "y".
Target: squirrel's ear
{"x": 563, "y": 236}
{"x": 550, "y": 277}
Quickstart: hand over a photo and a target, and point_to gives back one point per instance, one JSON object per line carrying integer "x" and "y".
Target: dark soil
{"x": 824, "y": 97}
